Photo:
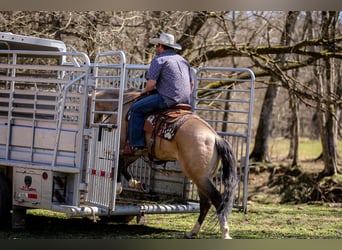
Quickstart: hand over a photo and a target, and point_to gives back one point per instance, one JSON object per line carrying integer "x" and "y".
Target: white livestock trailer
{"x": 50, "y": 159}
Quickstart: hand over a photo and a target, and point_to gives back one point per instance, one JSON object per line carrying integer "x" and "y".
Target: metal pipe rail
{"x": 228, "y": 107}
{"x": 82, "y": 211}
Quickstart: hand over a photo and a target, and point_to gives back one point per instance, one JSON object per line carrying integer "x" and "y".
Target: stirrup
{"x": 139, "y": 151}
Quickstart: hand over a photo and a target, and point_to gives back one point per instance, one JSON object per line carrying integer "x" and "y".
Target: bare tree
{"x": 328, "y": 110}
{"x": 221, "y": 38}
{"x": 260, "y": 151}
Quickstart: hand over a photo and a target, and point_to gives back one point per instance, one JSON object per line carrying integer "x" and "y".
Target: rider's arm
{"x": 192, "y": 84}
{"x": 150, "y": 85}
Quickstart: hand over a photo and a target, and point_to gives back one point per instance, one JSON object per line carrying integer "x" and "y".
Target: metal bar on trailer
{"x": 60, "y": 119}
{"x": 40, "y": 67}
{"x": 10, "y": 110}
{"x": 24, "y": 164}
{"x": 85, "y": 211}
{"x": 20, "y": 79}
{"x": 44, "y": 53}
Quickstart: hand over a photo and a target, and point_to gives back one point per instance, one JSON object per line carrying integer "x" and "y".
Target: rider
{"x": 169, "y": 78}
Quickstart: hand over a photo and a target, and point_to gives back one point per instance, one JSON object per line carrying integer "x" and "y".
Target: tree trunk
{"x": 260, "y": 151}
{"x": 329, "y": 142}
{"x": 328, "y": 128}
{"x": 294, "y": 141}
{"x": 328, "y": 109}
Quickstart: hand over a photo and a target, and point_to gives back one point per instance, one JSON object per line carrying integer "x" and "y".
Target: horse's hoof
{"x": 118, "y": 188}
{"x": 138, "y": 185}
{"x": 134, "y": 183}
{"x": 143, "y": 187}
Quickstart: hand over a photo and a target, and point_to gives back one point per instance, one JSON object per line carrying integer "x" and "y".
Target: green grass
{"x": 263, "y": 221}
{"x": 288, "y": 221}
{"x": 271, "y": 221}
{"x": 308, "y": 149}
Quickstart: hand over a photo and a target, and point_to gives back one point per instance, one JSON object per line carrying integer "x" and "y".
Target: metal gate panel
{"x": 104, "y": 142}
{"x": 101, "y": 168}
{"x": 224, "y": 97}
{"x": 135, "y": 76}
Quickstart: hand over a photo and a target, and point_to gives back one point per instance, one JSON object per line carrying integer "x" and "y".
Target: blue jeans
{"x": 139, "y": 110}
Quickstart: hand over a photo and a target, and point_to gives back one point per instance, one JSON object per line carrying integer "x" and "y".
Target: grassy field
{"x": 271, "y": 221}
{"x": 264, "y": 220}
{"x": 308, "y": 149}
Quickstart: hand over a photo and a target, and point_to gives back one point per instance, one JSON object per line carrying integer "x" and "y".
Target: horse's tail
{"x": 229, "y": 174}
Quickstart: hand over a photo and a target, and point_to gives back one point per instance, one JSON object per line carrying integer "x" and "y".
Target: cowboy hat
{"x": 167, "y": 40}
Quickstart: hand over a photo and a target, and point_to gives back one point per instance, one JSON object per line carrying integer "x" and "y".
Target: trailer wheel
{"x": 5, "y": 201}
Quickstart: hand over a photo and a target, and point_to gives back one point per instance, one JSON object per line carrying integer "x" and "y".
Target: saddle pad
{"x": 165, "y": 124}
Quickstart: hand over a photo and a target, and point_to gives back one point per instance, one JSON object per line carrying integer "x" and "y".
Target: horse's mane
{"x": 131, "y": 94}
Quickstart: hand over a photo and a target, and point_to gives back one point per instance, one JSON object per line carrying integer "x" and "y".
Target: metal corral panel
{"x": 224, "y": 97}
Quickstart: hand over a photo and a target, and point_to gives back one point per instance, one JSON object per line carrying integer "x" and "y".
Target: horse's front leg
{"x": 124, "y": 162}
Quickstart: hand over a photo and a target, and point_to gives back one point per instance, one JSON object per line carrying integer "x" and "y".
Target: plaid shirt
{"x": 173, "y": 76}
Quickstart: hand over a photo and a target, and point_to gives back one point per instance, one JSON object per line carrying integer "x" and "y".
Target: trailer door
{"x": 104, "y": 142}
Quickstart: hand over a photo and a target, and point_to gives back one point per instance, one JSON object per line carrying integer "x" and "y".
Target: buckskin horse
{"x": 198, "y": 149}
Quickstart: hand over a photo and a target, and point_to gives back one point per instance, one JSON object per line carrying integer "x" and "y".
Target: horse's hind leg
{"x": 204, "y": 208}
{"x": 210, "y": 194}
{"x": 221, "y": 216}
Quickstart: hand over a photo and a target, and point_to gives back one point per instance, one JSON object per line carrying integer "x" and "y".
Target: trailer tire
{"x": 5, "y": 201}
